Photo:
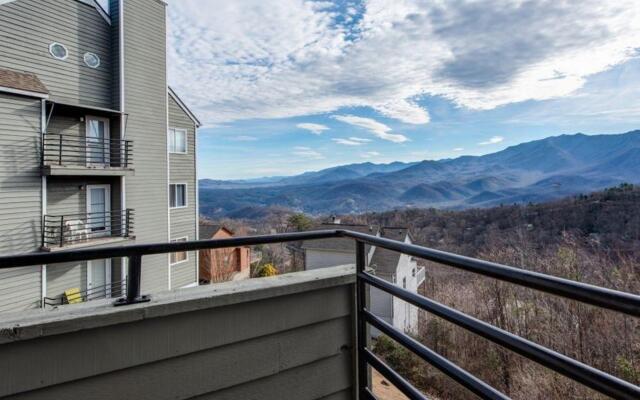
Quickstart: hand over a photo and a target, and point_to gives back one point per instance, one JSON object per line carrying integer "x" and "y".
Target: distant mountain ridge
{"x": 333, "y": 174}
{"x": 535, "y": 171}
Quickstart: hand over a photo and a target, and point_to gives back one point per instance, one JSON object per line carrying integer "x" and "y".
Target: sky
{"x": 288, "y": 86}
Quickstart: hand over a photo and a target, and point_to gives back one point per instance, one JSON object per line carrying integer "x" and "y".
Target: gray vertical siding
{"x": 182, "y": 170}
{"x": 20, "y": 198}
{"x": 114, "y": 7}
{"x": 272, "y": 338}
{"x": 28, "y": 27}
{"x": 20, "y": 179}
{"x": 146, "y": 103}
{"x": 61, "y": 277}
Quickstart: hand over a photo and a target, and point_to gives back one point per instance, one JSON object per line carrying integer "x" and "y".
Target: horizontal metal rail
{"x": 577, "y": 371}
{"x": 398, "y": 381}
{"x": 61, "y": 230}
{"x": 72, "y": 150}
{"x": 92, "y": 293}
{"x": 458, "y": 374}
{"x": 619, "y": 301}
{"x": 612, "y": 299}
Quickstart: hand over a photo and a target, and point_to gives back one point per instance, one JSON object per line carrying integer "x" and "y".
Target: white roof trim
{"x": 19, "y": 92}
{"x": 92, "y": 3}
{"x": 184, "y": 107}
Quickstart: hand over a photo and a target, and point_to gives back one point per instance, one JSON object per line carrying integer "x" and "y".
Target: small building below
{"x": 220, "y": 265}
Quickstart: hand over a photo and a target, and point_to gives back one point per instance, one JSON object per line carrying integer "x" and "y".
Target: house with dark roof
{"x": 392, "y": 266}
{"x": 97, "y": 150}
{"x": 335, "y": 251}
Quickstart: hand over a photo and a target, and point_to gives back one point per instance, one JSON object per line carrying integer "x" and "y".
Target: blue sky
{"x": 287, "y": 86}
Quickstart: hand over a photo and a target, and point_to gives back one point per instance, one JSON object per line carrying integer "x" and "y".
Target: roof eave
{"x": 184, "y": 107}
{"x": 19, "y": 92}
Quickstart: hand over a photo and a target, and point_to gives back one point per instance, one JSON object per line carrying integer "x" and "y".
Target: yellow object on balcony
{"x": 73, "y": 296}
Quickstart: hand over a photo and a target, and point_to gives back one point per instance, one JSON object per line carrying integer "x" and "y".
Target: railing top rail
{"x": 89, "y": 213}
{"x": 71, "y": 136}
{"x": 615, "y": 300}
{"x": 158, "y": 248}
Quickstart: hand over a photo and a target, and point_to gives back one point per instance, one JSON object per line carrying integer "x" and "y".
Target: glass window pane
{"x": 172, "y": 195}
{"x": 182, "y": 201}
{"x": 179, "y": 256}
{"x": 172, "y": 146}
{"x": 181, "y": 141}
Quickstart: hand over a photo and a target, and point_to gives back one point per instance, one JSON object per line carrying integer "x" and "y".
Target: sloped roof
{"x": 22, "y": 82}
{"x": 385, "y": 261}
{"x": 184, "y": 107}
{"x": 93, "y": 3}
{"x": 206, "y": 231}
{"x": 338, "y": 244}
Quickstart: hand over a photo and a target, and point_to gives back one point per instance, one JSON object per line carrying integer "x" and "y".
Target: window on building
{"x": 413, "y": 272}
{"x": 91, "y": 60}
{"x": 177, "y": 141}
{"x": 177, "y": 195}
{"x": 404, "y": 283}
{"x": 59, "y": 51}
{"x": 180, "y": 256}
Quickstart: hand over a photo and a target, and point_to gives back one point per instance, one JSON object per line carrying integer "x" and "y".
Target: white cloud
{"x": 361, "y": 140}
{"x": 243, "y": 138}
{"x": 307, "y": 152}
{"x": 493, "y": 140}
{"x": 458, "y": 149}
{"x": 370, "y": 154}
{"x": 347, "y": 142}
{"x": 378, "y": 129}
{"x": 236, "y": 60}
{"x": 316, "y": 129}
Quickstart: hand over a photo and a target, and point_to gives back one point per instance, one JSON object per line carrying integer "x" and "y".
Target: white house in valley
{"x": 391, "y": 266}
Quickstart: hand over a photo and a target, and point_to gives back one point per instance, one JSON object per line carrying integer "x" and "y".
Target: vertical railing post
{"x": 362, "y": 339}
{"x": 126, "y": 154}
{"x": 134, "y": 277}
{"x": 127, "y": 217}
{"x": 60, "y": 150}
{"x": 43, "y": 226}
{"x": 61, "y": 230}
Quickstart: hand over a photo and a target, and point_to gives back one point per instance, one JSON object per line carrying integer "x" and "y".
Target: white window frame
{"x": 186, "y": 253}
{"x": 108, "y": 279}
{"x": 107, "y": 206}
{"x": 172, "y": 144}
{"x": 186, "y": 197}
{"x": 63, "y": 46}
{"x": 105, "y": 146}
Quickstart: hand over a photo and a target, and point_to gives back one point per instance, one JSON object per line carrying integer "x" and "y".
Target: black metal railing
{"x": 63, "y": 230}
{"x": 600, "y": 381}
{"x": 108, "y": 290}
{"x": 73, "y": 150}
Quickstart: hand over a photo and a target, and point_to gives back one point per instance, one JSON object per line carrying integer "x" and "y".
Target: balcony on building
{"x": 85, "y": 141}
{"x": 63, "y": 232}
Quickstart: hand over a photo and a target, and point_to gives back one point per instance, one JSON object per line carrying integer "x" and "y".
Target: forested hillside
{"x": 593, "y": 238}
{"x": 608, "y": 221}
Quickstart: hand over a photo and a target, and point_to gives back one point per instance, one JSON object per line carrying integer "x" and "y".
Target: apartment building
{"x": 96, "y": 149}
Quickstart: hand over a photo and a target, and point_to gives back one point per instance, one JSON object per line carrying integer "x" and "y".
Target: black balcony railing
{"x": 600, "y": 381}
{"x": 108, "y": 290}
{"x": 63, "y": 230}
{"x": 83, "y": 151}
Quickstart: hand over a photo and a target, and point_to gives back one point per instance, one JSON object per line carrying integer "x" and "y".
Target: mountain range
{"x": 535, "y": 171}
